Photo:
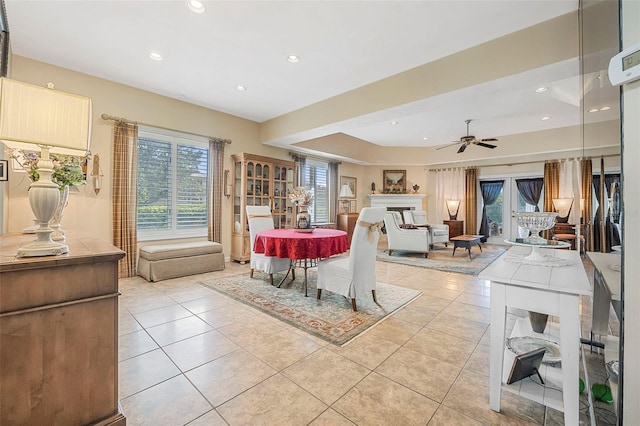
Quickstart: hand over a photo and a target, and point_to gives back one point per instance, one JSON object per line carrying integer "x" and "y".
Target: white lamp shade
{"x": 452, "y": 208}
{"x": 345, "y": 191}
{"x": 32, "y": 115}
{"x": 562, "y": 206}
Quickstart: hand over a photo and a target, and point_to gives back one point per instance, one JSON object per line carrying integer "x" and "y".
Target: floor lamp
{"x": 43, "y": 119}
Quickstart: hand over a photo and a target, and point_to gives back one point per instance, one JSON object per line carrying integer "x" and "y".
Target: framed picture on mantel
{"x": 394, "y": 181}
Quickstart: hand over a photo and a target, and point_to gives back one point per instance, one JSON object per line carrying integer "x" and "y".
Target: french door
{"x": 501, "y": 215}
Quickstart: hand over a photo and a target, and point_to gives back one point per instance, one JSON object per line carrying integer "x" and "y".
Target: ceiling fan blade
{"x": 486, "y": 145}
{"x": 490, "y": 140}
{"x": 447, "y": 146}
{"x": 462, "y": 148}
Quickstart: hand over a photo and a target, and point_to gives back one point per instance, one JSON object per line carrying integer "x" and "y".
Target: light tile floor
{"x": 189, "y": 355}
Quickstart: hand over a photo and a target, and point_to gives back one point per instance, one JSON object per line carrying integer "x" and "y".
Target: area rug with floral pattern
{"x": 442, "y": 258}
{"x": 330, "y": 318}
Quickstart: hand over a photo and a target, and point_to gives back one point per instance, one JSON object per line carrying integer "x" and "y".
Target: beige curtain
{"x": 216, "y": 166}
{"x": 587, "y": 195}
{"x": 471, "y": 201}
{"x": 551, "y": 189}
{"x": 125, "y": 236}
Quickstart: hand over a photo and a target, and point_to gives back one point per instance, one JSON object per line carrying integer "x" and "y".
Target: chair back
{"x": 419, "y": 217}
{"x": 408, "y": 217}
{"x": 260, "y": 219}
{"x": 362, "y": 254}
{"x": 392, "y": 221}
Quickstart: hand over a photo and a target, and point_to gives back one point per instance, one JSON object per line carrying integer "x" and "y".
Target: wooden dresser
{"x": 59, "y": 334}
{"x": 456, "y": 227}
{"x": 347, "y": 222}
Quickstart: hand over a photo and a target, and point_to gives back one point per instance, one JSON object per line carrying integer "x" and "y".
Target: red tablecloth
{"x": 286, "y": 243}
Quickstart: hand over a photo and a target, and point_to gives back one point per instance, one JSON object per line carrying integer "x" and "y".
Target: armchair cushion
{"x": 438, "y": 233}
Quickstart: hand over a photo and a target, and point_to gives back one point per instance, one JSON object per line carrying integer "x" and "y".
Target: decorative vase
{"x": 58, "y": 232}
{"x": 303, "y": 218}
{"x": 536, "y": 222}
{"x": 538, "y": 321}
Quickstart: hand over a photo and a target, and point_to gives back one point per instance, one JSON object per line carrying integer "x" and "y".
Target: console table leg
{"x": 496, "y": 349}
{"x": 570, "y": 353}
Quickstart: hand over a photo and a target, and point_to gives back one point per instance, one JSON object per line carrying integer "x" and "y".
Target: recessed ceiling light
{"x": 394, "y": 122}
{"x": 545, "y": 118}
{"x": 195, "y": 6}
{"x": 541, "y": 89}
{"x": 293, "y": 58}
{"x": 605, "y": 108}
{"x": 425, "y": 138}
{"x": 594, "y": 110}
{"x": 180, "y": 96}
{"x": 240, "y": 88}
{"x": 155, "y": 56}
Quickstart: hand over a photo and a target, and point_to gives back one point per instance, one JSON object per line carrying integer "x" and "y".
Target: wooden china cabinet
{"x": 259, "y": 181}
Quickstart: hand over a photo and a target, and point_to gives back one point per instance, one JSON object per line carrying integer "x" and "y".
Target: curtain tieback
{"x": 373, "y": 227}
{"x": 251, "y": 216}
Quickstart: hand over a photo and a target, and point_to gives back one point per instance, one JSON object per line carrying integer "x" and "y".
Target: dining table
{"x": 303, "y": 247}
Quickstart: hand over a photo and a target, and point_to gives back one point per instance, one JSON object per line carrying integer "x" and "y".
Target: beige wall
{"x": 88, "y": 212}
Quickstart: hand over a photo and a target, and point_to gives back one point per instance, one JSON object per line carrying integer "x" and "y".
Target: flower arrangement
{"x": 67, "y": 169}
{"x": 301, "y": 196}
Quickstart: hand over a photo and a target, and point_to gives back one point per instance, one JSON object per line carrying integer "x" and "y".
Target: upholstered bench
{"x": 161, "y": 262}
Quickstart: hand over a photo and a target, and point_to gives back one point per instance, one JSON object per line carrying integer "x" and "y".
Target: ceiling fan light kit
{"x": 471, "y": 139}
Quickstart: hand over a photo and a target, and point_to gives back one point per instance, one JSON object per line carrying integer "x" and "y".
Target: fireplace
{"x": 397, "y": 202}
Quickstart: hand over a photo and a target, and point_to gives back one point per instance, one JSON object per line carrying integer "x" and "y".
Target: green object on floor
{"x": 602, "y": 393}
{"x": 581, "y": 386}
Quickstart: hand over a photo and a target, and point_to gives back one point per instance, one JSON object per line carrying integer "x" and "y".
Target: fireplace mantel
{"x": 410, "y": 201}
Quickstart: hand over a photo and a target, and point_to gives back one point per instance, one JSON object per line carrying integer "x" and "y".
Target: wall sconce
{"x": 453, "y": 206}
{"x": 227, "y": 184}
{"x": 345, "y": 192}
{"x": 563, "y": 207}
{"x": 96, "y": 174}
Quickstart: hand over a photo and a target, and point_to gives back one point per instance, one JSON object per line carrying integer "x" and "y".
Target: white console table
{"x": 553, "y": 290}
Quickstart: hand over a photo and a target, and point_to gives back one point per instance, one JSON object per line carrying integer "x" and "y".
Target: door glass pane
{"x": 495, "y": 217}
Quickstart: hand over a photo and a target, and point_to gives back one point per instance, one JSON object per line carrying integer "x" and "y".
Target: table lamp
{"x": 43, "y": 119}
{"x": 345, "y": 192}
{"x": 563, "y": 207}
{"x": 453, "y": 206}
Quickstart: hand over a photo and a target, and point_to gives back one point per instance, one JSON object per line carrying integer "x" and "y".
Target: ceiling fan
{"x": 470, "y": 139}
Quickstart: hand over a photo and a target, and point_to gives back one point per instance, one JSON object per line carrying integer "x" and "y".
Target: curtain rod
{"x": 523, "y": 162}
{"x": 109, "y": 117}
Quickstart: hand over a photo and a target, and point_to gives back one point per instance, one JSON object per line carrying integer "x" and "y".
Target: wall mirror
{"x": 601, "y": 117}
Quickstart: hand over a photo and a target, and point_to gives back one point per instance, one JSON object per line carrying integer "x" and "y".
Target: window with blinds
{"x": 172, "y": 180}
{"x": 316, "y": 179}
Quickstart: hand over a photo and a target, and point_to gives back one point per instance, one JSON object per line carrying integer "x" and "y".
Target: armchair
{"x": 260, "y": 219}
{"x": 405, "y": 239}
{"x": 354, "y": 274}
{"x": 439, "y": 233}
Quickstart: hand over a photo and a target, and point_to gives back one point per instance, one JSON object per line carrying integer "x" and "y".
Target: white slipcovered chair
{"x": 439, "y": 232}
{"x": 354, "y": 274}
{"x": 405, "y": 239}
{"x": 260, "y": 219}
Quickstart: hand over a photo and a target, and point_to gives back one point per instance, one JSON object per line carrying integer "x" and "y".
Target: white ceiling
{"x": 342, "y": 45}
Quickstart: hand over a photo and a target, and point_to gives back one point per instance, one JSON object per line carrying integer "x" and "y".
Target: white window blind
{"x": 316, "y": 178}
{"x": 172, "y": 185}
